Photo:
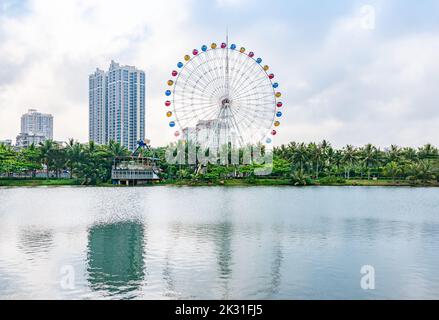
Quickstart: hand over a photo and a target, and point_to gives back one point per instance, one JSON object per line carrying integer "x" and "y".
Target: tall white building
{"x": 36, "y": 123}
{"x": 117, "y": 105}
{"x": 97, "y": 84}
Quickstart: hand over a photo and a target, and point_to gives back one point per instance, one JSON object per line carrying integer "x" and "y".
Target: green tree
{"x": 392, "y": 170}
{"x": 349, "y": 158}
{"x": 300, "y": 156}
{"x": 47, "y": 153}
{"x": 369, "y": 156}
{"x": 74, "y": 155}
{"x": 315, "y": 153}
{"x": 31, "y": 158}
{"x": 428, "y": 151}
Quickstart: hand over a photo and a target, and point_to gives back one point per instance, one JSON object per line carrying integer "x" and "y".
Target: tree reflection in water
{"x": 116, "y": 258}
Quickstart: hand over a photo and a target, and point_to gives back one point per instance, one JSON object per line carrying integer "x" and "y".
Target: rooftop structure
{"x": 135, "y": 169}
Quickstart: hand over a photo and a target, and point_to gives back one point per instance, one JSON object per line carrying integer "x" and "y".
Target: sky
{"x": 351, "y": 72}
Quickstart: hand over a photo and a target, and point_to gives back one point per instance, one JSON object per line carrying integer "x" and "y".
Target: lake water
{"x": 218, "y": 242}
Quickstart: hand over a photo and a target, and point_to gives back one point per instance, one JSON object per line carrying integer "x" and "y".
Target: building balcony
{"x": 128, "y": 174}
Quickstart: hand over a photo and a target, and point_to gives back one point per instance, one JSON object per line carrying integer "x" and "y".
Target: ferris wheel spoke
{"x": 180, "y": 94}
{"x": 255, "y": 106}
{"x": 194, "y": 72}
{"x": 212, "y": 69}
{"x": 249, "y": 96}
{"x": 185, "y": 103}
{"x": 204, "y": 79}
{"x": 252, "y": 120}
{"x": 194, "y": 89}
{"x": 188, "y": 110}
{"x": 239, "y": 71}
{"x": 185, "y": 115}
{"x": 192, "y": 80}
{"x": 255, "y": 116}
{"x": 185, "y": 99}
{"x": 263, "y": 109}
{"x": 211, "y": 87}
{"x": 256, "y": 80}
{"x": 245, "y": 71}
{"x": 255, "y": 102}
{"x": 238, "y": 131}
{"x": 189, "y": 92}
{"x": 193, "y": 106}
{"x": 246, "y": 129}
{"x": 251, "y": 87}
{"x": 196, "y": 119}
{"x": 233, "y": 71}
{"x": 209, "y": 75}
{"x": 213, "y": 61}
{"x": 221, "y": 61}
{"x": 189, "y": 116}
{"x": 195, "y": 86}
{"x": 219, "y": 89}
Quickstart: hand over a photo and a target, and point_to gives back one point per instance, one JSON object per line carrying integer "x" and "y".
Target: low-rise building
{"x": 24, "y": 140}
{"x": 6, "y": 142}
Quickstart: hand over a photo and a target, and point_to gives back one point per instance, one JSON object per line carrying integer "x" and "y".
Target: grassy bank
{"x": 288, "y": 182}
{"x": 37, "y": 182}
{"x": 230, "y": 182}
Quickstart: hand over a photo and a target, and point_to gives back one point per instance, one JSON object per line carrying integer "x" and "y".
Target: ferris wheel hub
{"x": 225, "y": 102}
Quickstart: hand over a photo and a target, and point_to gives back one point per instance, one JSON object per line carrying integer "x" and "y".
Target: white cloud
{"x": 231, "y": 3}
{"x": 374, "y": 89}
{"x": 351, "y": 85}
{"x": 49, "y": 53}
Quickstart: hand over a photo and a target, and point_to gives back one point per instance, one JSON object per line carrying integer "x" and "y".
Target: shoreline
{"x": 224, "y": 183}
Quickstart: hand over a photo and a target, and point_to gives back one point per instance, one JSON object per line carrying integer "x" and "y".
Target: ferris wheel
{"x": 223, "y": 94}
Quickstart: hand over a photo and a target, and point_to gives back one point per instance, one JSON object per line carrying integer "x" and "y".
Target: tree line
{"x": 300, "y": 163}
{"x": 321, "y": 160}
{"x": 89, "y": 163}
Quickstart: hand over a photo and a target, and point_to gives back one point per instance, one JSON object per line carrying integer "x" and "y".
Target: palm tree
{"x": 422, "y": 171}
{"x": 316, "y": 154}
{"x": 117, "y": 150}
{"x": 409, "y": 154}
{"x": 300, "y": 156}
{"x": 369, "y": 157}
{"x": 349, "y": 157}
{"x": 299, "y": 178}
{"x": 331, "y": 160}
{"x": 74, "y": 155}
{"x": 394, "y": 153}
{"x": 428, "y": 152}
{"x": 392, "y": 169}
{"x": 59, "y": 159}
{"x": 281, "y": 152}
{"x": 46, "y": 148}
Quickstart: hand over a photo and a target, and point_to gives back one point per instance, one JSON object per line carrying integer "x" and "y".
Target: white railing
{"x": 133, "y": 174}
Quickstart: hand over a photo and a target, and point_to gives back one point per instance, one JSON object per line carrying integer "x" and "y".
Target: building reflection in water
{"x": 116, "y": 258}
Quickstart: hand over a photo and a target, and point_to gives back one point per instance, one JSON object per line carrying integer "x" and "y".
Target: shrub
{"x": 332, "y": 180}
